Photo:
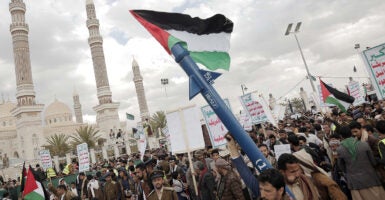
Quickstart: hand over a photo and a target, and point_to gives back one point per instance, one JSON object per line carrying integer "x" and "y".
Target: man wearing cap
{"x": 110, "y": 188}
{"x": 230, "y": 186}
{"x": 160, "y": 192}
{"x": 174, "y": 167}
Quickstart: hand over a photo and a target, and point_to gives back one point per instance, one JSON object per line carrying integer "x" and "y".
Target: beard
{"x": 158, "y": 186}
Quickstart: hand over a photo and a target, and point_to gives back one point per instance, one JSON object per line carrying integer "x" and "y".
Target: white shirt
{"x": 311, "y": 138}
{"x": 93, "y": 184}
{"x": 73, "y": 190}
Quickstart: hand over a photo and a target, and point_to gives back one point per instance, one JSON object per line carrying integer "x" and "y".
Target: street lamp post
{"x": 244, "y": 89}
{"x": 296, "y": 30}
{"x": 164, "y": 82}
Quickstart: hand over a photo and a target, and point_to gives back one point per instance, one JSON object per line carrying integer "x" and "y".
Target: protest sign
{"x": 253, "y": 108}
{"x": 281, "y": 149}
{"x": 185, "y": 130}
{"x": 142, "y": 140}
{"x": 257, "y": 109}
{"x": 354, "y": 91}
{"x": 83, "y": 157}
{"x": 45, "y": 159}
{"x": 245, "y": 121}
{"x": 215, "y": 127}
{"x": 374, "y": 59}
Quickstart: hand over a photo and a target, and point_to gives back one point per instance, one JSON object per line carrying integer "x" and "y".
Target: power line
{"x": 292, "y": 88}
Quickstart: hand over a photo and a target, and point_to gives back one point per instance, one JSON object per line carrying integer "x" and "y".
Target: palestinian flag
{"x": 33, "y": 190}
{"x": 207, "y": 40}
{"x": 333, "y": 96}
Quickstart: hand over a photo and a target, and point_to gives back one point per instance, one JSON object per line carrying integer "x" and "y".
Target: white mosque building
{"x": 24, "y": 124}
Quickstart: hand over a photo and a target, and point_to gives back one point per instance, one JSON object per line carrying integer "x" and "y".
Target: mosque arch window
{"x": 4, "y": 123}
{"x": 54, "y": 120}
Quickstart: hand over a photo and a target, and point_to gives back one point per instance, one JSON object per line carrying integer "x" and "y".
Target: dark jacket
{"x": 206, "y": 186}
{"x": 360, "y": 173}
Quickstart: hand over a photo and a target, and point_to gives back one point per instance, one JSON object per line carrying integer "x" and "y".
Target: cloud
{"x": 262, "y": 57}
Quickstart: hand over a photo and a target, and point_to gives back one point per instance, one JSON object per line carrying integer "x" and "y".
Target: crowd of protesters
{"x": 336, "y": 155}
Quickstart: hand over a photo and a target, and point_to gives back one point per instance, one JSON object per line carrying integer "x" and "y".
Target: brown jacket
{"x": 167, "y": 194}
{"x": 230, "y": 188}
{"x": 110, "y": 190}
{"x": 327, "y": 188}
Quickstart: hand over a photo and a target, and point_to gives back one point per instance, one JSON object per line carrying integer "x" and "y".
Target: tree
{"x": 298, "y": 104}
{"x": 85, "y": 134}
{"x": 158, "y": 120}
{"x": 58, "y": 144}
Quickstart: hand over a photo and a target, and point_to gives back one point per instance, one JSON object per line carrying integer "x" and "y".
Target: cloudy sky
{"x": 262, "y": 57}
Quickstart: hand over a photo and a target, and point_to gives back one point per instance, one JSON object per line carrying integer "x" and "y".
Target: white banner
{"x": 185, "y": 130}
{"x": 374, "y": 59}
{"x": 354, "y": 91}
{"x": 83, "y": 157}
{"x": 215, "y": 127}
{"x": 257, "y": 109}
{"x": 279, "y": 112}
{"x": 245, "y": 121}
{"x": 281, "y": 149}
{"x": 142, "y": 142}
{"x": 253, "y": 108}
{"x": 45, "y": 159}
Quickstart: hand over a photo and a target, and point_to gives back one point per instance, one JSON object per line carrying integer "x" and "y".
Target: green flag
{"x": 130, "y": 117}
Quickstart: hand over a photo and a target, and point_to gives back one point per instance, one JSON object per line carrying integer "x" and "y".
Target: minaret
{"x": 27, "y": 112}
{"x": 107, "y": 111}
{"x": 138, "y": 80}
{"x": 77, "y": 108}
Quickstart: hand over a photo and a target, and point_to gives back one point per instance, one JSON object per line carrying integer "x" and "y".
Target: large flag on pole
{"x": 212, "y": 56}
{"x": 207, "y": 40}
{"x": 33, "y": 189}
{"x": 333, "y": 96}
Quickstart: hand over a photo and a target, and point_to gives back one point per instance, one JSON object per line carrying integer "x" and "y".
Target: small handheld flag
{"x": 130, "y": 117}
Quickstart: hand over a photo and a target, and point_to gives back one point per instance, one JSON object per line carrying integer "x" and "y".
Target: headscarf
{"x": 221, "y": 163}
{"x": 307, "y": 164}
{"x": 351, "y": 145}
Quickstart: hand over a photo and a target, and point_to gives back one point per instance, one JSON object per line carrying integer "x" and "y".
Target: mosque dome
{"x": 57, "y": 113}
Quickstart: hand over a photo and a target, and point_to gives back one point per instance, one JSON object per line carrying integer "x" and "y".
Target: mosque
{"x": 25, "y": 125}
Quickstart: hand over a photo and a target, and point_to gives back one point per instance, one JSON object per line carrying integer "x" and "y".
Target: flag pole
{"x": 208, "y": 92}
